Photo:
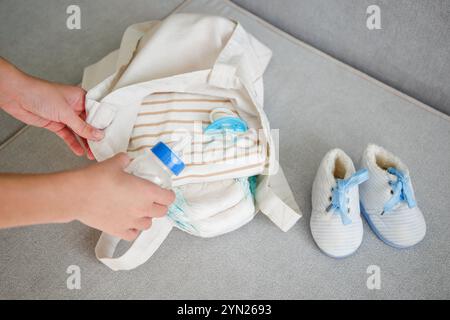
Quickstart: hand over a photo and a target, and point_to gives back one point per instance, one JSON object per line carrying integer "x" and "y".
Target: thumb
{"x": 80, "y": 127}
{"x": 120, "y": 160}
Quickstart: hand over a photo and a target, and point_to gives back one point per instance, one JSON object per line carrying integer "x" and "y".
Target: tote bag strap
{"x": 275, "y": 199}
{"x": 140, "y": 251}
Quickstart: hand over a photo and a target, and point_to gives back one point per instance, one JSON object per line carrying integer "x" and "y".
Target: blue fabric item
{"x": 339, "y": 202}
{"x": 228, "y": 123}
{"x": 402, "y": 190}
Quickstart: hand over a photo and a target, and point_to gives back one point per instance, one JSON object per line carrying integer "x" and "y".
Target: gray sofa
{"x": 411, "y": 52}
{"x": 316, "y": 101}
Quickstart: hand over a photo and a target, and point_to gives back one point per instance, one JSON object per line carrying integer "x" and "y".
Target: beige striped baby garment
{"x": 169, "y": 117}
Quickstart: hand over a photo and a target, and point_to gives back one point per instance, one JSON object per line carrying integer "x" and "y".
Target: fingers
{"x": 160, "y": 196}
{"x": 77, "y": 117}
{"x": 80, "y": 127}
{"x": 120, "y": 160}
{"x": 155, "y": 211}
{"x": 89, "y": 153}
{"x": 143, "y": 223}
{"x": 129, "y": 235}
{"x": 71, "y": 140}
{"x": 163, "y": 196}
{"x": 158, "y": 210}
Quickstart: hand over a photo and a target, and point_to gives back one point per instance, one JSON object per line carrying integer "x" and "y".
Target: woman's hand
{"x": 101, "y": 195}
{"x": 56, "y": 107}
{"x": 114, "y": 201}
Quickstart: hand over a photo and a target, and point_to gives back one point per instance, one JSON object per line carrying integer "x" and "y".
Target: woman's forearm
{"x": 34, "y": 199}
{"x": 12, "y": 82}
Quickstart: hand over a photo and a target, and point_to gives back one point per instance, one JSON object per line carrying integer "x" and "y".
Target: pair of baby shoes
{"x": 385, "y": 198}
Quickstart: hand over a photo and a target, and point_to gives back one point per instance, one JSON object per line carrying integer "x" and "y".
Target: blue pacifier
{"x": 223, "y": 119}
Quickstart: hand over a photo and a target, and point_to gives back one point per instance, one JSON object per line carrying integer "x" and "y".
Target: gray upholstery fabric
{"x": 410, "y": 53}
{"x": 8, "y": 126}
{"x": 34, "y": 36}
{"x": 317, "y": 103}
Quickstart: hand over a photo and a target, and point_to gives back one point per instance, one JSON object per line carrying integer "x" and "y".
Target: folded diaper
{"x": 213, "y": 208}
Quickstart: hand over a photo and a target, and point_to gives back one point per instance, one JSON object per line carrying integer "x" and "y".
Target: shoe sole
{"x": 338, "y": 257}
{"x": 377, "y": 233}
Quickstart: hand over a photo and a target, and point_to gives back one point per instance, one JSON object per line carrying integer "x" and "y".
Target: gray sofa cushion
{"x": 411, "y": 52}
{"x": 317, "y": 103}
{"x": 8, "y": 126}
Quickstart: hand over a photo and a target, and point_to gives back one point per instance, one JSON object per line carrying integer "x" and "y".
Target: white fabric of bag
{"x": 195, "y": 54}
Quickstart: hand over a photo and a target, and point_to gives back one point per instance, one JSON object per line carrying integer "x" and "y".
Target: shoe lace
{"x": 339, "y": 202}
{"x": 401, "y": 191}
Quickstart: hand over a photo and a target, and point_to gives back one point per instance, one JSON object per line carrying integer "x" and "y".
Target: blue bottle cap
{"x": 168, "y": 157}
{"x": 228, "y": 123}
